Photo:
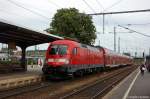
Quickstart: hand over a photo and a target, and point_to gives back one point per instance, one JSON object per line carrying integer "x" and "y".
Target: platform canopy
{"x": 23, "y": 36}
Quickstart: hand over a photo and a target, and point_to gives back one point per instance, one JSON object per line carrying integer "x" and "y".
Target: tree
{"x": 71, "y": 23}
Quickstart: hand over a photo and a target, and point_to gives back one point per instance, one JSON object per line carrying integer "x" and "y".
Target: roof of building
{"x": 23, "y": 36}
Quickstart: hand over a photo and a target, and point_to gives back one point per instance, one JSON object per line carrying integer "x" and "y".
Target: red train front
{"x": 65, "y": 57}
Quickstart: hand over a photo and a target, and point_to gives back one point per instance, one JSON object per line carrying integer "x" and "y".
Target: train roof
{"x": 65, "y": 41}
{"x": 72, "y": 42}
{"x": 111, "y": 52}
{"x": 90, "y": 47}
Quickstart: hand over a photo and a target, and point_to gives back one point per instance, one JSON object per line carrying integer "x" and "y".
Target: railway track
{"x": 100, "y": 87}
{"x": 78, "y": 92}
{"x": 25, "y": 89}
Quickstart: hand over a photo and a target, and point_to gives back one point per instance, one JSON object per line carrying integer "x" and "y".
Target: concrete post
{"x": 23, "y": 58}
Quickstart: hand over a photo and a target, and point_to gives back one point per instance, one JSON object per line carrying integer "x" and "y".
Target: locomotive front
{"x": 57, "y": 55}
{"x": 57, "y": 58}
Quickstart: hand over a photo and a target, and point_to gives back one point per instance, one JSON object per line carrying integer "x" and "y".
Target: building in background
{"x": 4, "y": 56}
{"x": 35, "y": 57}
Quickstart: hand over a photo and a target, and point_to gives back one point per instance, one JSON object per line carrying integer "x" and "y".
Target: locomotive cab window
{"x": 74, "y": 51}
{"x": 58, "y": 49}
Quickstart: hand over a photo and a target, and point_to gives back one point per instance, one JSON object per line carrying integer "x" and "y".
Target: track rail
{"x": 25, "y": 89}
{"x": 100, "y": 87}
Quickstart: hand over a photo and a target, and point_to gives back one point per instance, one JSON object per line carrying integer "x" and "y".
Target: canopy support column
{"x": 23, "y": 58}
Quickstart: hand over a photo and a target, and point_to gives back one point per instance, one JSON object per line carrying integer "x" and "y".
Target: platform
{"x": 11, "y": 80}
{"x": 135, "y": 86}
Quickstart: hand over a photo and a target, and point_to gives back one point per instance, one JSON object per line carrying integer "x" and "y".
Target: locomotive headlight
{"x": 50, "y": 60}
{"x": 67, "y": 61}
{"x": 64, "y": 60}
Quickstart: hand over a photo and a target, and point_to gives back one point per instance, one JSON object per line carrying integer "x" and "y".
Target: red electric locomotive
{"x": 69, "y": 58}
{"x": 66, "y": 57}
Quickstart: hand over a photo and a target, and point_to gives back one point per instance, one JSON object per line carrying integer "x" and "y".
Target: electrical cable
{"x": 116, "y": 3}
{"x": 139, "y": 24}
{"x": 108, "y": 7}
{"x": 121, "y": 12}
{"x": 100, "y": 4}
{"x": 134, "y": 31}
{"x": 56, "y": 5}
{"x": 16, "y": 15}
{"x": 28, "y": 9}
{"x": 88, "y": 6}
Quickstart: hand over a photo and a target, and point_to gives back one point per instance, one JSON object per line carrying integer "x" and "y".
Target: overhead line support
{"x": 121, "y": 12}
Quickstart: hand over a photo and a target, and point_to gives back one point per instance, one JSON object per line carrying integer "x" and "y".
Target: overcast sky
{"x": 37, "y": 14}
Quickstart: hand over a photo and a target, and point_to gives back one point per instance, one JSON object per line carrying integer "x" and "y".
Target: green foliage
{"x": 71, "y": 23}
{"x": 9, "y": 62}
{"x": 32, "y": 61}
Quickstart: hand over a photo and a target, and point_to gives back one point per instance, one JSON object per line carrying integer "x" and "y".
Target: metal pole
{"x": 35, "y": 50}
{"x": 2, "y": 46}
{"x": 149, "y": 51}
{"x": 121, "y": 12}
{"x": 136, "y": 52}
{"x": 103, "y": 23}
{"x": 99, "y": 43}
{"x": 119, "y": 45}
{"x": 115, "y": 39}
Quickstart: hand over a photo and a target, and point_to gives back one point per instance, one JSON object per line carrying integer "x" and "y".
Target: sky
{"x": 37, "y": 15}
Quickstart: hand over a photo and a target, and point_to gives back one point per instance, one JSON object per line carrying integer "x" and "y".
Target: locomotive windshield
{"x": 58, "y": 50}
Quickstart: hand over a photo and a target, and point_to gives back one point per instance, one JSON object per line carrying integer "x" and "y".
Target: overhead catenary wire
{"x": 16, "y": 15}
{"x": 134, "y": 31}
{"x": 107, "y": 9}
{"x": 56, "y": 5}
{"x": 88, "y": 6}
{"x": 138, "y": 24}
{"x": 36, "y": 13}
{"x": 103, "y": 15}
{"x": 98, "y": 2}
{"x": 116, "y": 3}
{"x": 121, "y": 12}
{"x": 147, "y": 10}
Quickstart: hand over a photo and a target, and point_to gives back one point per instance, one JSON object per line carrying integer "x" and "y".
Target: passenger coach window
{"x": 74, "y": 51}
